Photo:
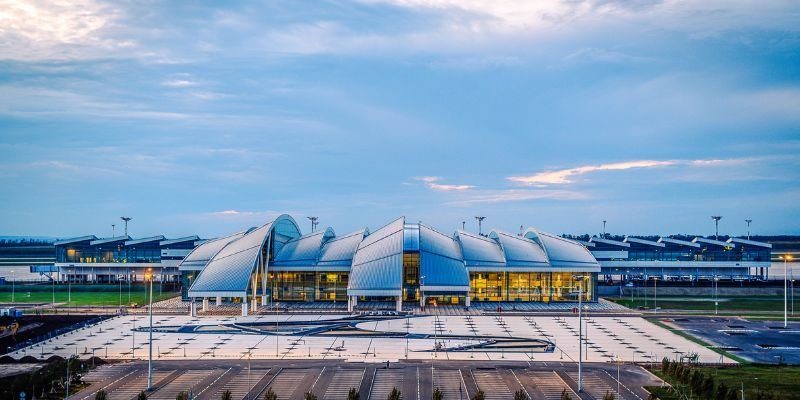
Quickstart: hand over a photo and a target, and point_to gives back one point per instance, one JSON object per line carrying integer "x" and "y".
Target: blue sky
{"x": 199, "y": 117}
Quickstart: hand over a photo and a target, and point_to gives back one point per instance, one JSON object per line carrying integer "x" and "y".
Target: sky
{"x": 209, "y": 117}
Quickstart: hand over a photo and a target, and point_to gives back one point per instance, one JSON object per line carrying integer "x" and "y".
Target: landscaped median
{"x": 760, "y": 382}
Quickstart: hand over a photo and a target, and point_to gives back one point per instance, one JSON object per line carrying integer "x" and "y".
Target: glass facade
{"x": 411, "y": 276}
{"x": 530, "y": 286}
{"x": 308, "y": 285}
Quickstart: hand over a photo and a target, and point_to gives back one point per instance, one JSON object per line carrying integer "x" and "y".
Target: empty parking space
{"x": 241, "y": 384}
{"x": 383, "y": 382}
{"x": 185, "y": 382}
{"x": 549, "y": 385}
{"x": 343, "y": 380}
{"x": 130, "y": 389}
{"x": 596, "y": 386}
{"x": 492, "y": 384}
{"x": 450, "y": 382}
{"x": 287, "y": 382}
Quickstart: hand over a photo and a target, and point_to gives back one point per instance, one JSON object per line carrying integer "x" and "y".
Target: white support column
{"x": 349, "y": 303}
{"x": 399, "y": 303}
{"x": 466, "y": 300}
{"x": 244, "y": 308}
{"x": 422, "y": 301}
{"x": 192, "y": 309}
{"x": 219, "y": 301}
{"x": 254, "y": 306}
{"x": 205, "y": 304}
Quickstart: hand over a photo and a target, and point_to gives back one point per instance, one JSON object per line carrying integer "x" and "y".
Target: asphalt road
{"x": 332, "y": 379}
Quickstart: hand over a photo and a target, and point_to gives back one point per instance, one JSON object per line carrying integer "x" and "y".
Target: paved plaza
{"x": 304, "y": 337}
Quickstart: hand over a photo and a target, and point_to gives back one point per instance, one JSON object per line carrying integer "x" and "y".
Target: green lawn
{"x": 783, "y": 382}
{"x": 83, "y": 295}
{"x": 692, "y": 304}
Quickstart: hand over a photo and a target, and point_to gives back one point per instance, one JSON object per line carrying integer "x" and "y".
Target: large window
{"x": 332, "y": 286}
{"x": 529, "y": 286}
{"x": 411, "y": 278}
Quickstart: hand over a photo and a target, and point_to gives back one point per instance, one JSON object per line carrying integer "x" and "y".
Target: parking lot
{"x": 759, "y": 341}
{"x": 333, "y": 379}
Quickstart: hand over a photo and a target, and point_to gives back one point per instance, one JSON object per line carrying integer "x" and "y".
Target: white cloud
{"x": 49, "y": 30}
{"x": 432, "y": 182}
{"x": 566, "y": 175}
{"x": 516, "y": 195}
{"x": 179, "y": 83}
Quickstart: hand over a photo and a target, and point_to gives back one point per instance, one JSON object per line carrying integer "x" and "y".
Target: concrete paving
{"x": 606, "y": 339}
{"x": 332, "y": 379}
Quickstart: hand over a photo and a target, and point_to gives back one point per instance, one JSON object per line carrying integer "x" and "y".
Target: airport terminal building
{"x": 400, "y": 262}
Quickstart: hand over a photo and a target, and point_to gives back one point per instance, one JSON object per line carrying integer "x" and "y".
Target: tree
{"x": 182, "y": 396}
{"x": 665, "y": 364}
{"x": 309, "y": 396}
{"x": 142, "y": 396}
{"x": 100, "y": 395}
{"x": 226, "y": 395}
{"x": 270, "y": 395}
{"x": 608, "y": 396}
{"x": 520, "y": 395}
{"x": 708, "y": 386}
{"x": 437, "y": 394}
{"x": 722, "y": 392}
{"x": 732, "y": 394}
{"x": 565, "y": 395}
{"x": 351, "y": 395}
{"x": 479, "y": 396}
{"x": 395, "y": 394}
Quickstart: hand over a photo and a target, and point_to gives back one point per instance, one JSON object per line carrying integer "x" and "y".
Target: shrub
{"x": 309, "y": 396}
{"x": 351, "y": 395}
{"x": 437, "y": 394}
{"x": 520, "y": 395}
{"x": 100, "y": 395}
{"x": 226, "y": 395}
{"x": 565, "y": 395}
{"x": 395, "y": 394}
{"x": 479, "y": 396}
{"x": 270, "y": 395}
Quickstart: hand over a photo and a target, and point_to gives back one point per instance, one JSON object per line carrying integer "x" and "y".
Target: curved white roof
{"x": 479, "y": 251}
{"x": 201, "y": 255}
{"x": 564, "y": 253}
{"x": 228, "y": 273}
{"x": 341, "y": 250}
{"x": 520, "y": 251}
{"x": 302, "y": 251}
{"x": 378, "y": 263}
{"x": 441, "y": 262}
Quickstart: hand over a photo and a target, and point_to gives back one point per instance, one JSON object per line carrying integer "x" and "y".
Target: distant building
{"x": 681, "y": 259}
{"x": 89, "y": 259}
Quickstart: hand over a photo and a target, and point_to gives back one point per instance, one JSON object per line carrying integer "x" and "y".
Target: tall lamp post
{"x": 786, "y": 259}
{"x": 149, "y": 276}
{"x": 748, "y": 227}
{"x": 13, "y": 287}
{"x": 716, "y": 219}
{"x": 580, "y": 279}
{"x": 480, "y": 222}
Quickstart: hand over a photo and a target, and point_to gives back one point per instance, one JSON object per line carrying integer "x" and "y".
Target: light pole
{"x": 422, "y": 291}
{"x": 716, "y": 294}
{"x": 716, "y": 219}
{"x": 580, "y": 278}
{"x": 13, "y": 287}
{"x": 480, "y": 222}
{"x": 655, "y": 294}
{"x": 313, "y": 223}
{"x": 604, "y": 229}
{"x": 149, "y": 275}
{"x": 113, "y": 230}
{"x": 786, "y": 259}
{"x": 126, "y": 219}
{"x": 748, "y": 227}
